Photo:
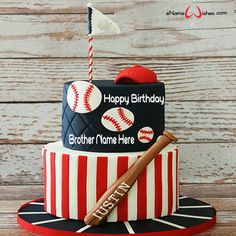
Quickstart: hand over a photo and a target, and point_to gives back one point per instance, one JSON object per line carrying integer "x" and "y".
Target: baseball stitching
{"x": 113, "y": 121}
{"x": 145, "y": 138}
{"x": 87, "y": 95}
{"x": 124, "y": 117}
{"x": 146, "y": 131}
{"x": 76, "y": 97}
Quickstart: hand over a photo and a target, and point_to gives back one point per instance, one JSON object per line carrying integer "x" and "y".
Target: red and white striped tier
{"x": 75, "y": 180}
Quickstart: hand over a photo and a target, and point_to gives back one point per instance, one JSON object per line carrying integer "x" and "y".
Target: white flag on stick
{"x": 98, "y": 23}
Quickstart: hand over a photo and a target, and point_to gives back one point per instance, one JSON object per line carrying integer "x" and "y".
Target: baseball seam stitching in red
{"x": 145, "y": 138}
{"x": 87, "y": 95}
{"x": 113, "y": 121}
{"x": 124, "y": 117}
{"x": 146, "y": 131}
{"x": 76, "y": 99}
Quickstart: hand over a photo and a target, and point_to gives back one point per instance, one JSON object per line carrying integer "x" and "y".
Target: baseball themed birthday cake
{"x": 115, "y": 171}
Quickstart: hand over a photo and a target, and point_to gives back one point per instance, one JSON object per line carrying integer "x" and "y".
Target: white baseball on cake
{"x": 118, "y": 119}
{"x": 145, "y": 135}
{"x": 83, "y": 97}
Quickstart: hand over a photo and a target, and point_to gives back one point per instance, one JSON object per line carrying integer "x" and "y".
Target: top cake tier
{"x": 106, "y": 117}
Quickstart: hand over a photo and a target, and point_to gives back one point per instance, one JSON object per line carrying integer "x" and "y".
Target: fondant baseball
{"x": 145, "y": 135}
{"x": 118, "y": 119}
{"x": 83, "y": 97}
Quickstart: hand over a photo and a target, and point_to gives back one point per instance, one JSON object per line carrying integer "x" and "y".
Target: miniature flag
{"x": 98, "y": 23}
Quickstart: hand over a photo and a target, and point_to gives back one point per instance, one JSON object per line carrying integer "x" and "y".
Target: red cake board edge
{"x": 50, "y": 232}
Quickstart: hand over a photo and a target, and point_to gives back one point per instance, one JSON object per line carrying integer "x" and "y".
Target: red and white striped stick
{"x": 90, "y": 58}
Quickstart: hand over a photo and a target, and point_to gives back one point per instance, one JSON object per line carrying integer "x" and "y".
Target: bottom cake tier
{"x": 75, "y": 180}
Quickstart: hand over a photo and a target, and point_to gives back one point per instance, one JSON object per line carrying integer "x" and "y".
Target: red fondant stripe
{"x": 158, "y": 185}
{"x": 65, "y": 185}
{"x": 142, "y": 195}
{"x": 177, "y": 178}
{"x": 101, "y": 176}
{"x": 122, "y": 208}
{"x": 170, "y": 183}
{"x": 45, "y": 177}
{"x": 82, "y": 177}
{"x": 53, "y": 183}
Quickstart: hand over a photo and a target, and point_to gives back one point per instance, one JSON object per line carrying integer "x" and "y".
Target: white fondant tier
{"x": 75, "y": 180}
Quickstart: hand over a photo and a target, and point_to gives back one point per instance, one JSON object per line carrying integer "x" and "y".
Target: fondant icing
{"x": 140, "y": 105}
{"x": 75, "y": 180}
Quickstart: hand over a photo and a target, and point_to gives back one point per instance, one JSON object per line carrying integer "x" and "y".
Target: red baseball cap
{"x": 136, "y": 75}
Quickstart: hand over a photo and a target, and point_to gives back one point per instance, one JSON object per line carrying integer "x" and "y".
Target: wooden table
{"x": 43, "y": 44}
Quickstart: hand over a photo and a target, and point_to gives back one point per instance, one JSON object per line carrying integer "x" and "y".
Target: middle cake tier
{"x": 75, "y": 180}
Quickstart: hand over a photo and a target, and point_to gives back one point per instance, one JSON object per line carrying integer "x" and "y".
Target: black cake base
{"x": 192, "y": 217}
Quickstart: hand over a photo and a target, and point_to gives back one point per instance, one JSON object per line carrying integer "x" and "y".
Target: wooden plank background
{"x": 44, "y": 43}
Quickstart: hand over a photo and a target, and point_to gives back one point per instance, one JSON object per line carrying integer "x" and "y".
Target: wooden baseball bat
{"x": 119, "y": 189}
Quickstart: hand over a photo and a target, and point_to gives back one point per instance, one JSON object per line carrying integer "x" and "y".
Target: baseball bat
{"x": 119, "y": 189}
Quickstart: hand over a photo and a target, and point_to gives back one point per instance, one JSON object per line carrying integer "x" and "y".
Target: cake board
{"x": 192, "y": 217}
